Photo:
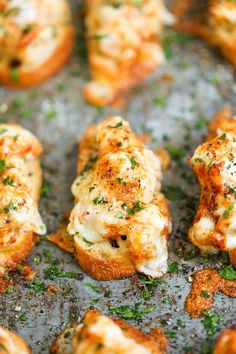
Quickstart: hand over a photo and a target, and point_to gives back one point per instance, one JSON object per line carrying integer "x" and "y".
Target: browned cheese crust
{"x": 206, "y": 283}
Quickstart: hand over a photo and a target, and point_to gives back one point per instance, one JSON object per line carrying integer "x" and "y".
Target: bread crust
{"x": 117, "y": 266}
{"x": 48, "y": 69}
{"x": 226, "y": 342}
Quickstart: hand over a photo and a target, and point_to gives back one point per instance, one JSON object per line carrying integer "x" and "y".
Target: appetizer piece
{"x": 124, "y": 45}
{"x": 217, "y": 26}
{"x": 214, "y": 162}
{"x": 120, "y": 222}
{"x": 11, "y": 343}
{"x": 36, "y": 39}
{"x": 20, "y": 183}
{"x": 101, "y": 334}
{"x": 226, "y": 342}
{"x": 222, "y": 27}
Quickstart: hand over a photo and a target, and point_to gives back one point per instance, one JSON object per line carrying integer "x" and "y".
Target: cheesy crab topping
{"x": 30, "y": 31}
{"x": 118, "y": 196}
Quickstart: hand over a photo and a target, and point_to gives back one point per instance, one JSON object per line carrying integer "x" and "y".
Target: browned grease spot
{"x": 62, "y": 239}
{"x": 207, "y": 282}
{"x": 13, "y": 271}
{"x": 52, "y": 290}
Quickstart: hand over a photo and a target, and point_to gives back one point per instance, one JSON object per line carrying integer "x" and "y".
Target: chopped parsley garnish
{"x": 53, "y": 272}
{"x": 120, "y": 181}
{"x": 211, "y": 321}
{"x": 228, "y": 272}
{"x": 129, "y": 313}
{"x": 7, "y": 181}
{"x": 133, "y": 162}
{"x": 174, "y": 267}
{"x": 177, "y": 153}
{"x": 98, "y": 37}
{"x": 201, "y": 123}
{"x": 9, "y": 290}
{"x": 93, "y": 286}
{"x": 205, "y": 294}
{"x": 2, "y": 165}
{"x": 38, "y": 287}
{"x": 160, "y": 101}
{"x": 173, "y": 192}
{"x": 10, "y": 207}
{"x": 99, "y": 200}
{"x": 45, "y": 189}
{"x": 149, "y": 285}
{"x": 223, "y": 136}
{"x": 228, "y": 210}
{"x": 3, "y": 131}
{"x": 136, "y": 208}
{"x": 118, "y": 125}
{"x": 197, "y": 160}
{"x": 51, "y": 114}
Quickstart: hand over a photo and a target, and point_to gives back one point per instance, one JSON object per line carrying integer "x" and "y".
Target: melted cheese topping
{"x": 31, "y": 31}
{"x": 120, "y": 195}
{"x": 102, "y": 332}
{"x": 215, "y": 223}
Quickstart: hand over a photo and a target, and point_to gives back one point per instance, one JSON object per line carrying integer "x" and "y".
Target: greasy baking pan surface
{"x": 173, "y": 107}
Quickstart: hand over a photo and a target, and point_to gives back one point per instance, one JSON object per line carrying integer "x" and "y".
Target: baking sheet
{"x": 172, "y": 107}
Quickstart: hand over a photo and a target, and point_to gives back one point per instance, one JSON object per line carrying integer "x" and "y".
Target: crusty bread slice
{"x": 65, "y": 343}
{"x": 102, "y": 261}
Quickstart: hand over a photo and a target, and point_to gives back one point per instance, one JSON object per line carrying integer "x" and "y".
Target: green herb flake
{"x": 223, "y": 136}
{"x": 174, "y": 268}
{"x": 160, "y": 101}
{"x": 92, "y": 286}
{"x": 2, "y": 165}
{"x": 7, "y": 181}
{"x": 228, "y": 210}
{"x": 10, "y": 207}
{"x": 205, "y": 294}
{"x": 136, "y": 208}
{"x": 45, "y": 189}
{"x": 129, "y": 313}
{"x": 174, "y": 192}
{"x": 228, "y": 272}
{"x": 133, "y": 162}
{"x": 99, "y": 200}
{"x": 211, "y": 321}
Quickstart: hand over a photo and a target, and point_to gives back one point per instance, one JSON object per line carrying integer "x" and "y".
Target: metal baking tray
{"x": 172, "y": 107}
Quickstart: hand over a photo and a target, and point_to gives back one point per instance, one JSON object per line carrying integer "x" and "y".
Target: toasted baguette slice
{"x": 124, "y": 45}
{"x": 33, "y": 52}
{"x": 20, "y": 185}
{"x": 85, "y": 338}
{"x": 120, "y": 221}
{"x": 213, "y": 162}
{"x": 11, "y": 343}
